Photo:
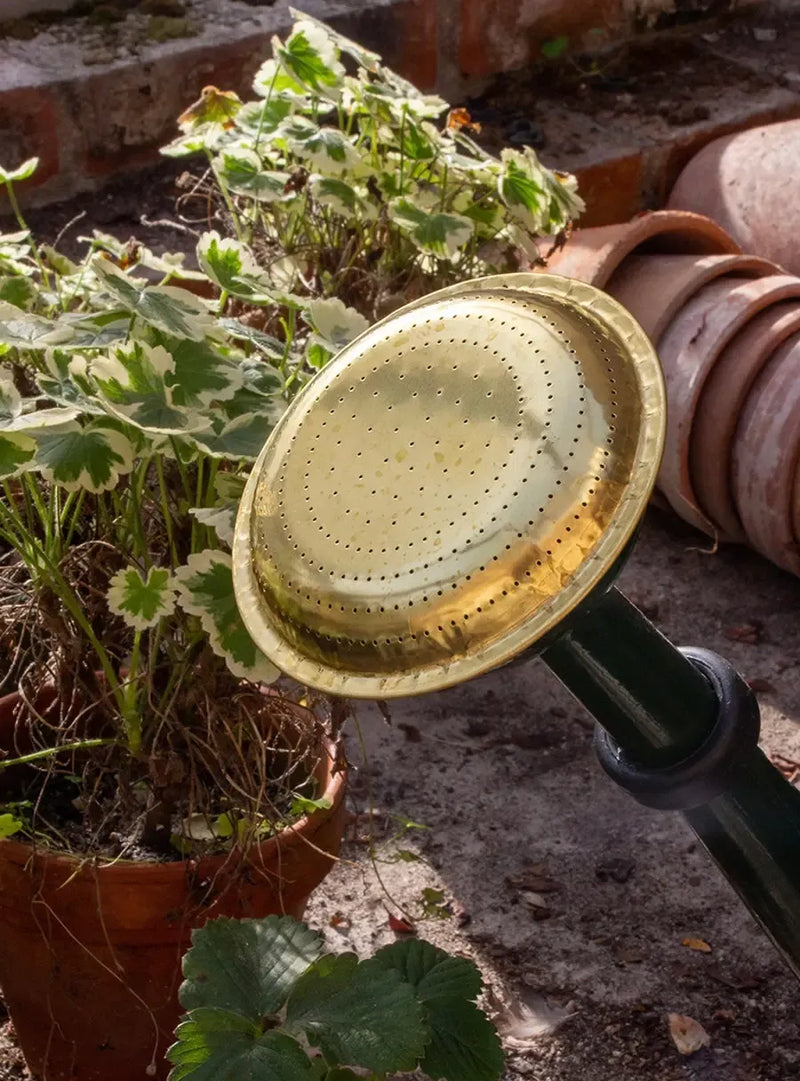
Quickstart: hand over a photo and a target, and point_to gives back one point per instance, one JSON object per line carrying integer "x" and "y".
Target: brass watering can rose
{"x": 454, "y": 483}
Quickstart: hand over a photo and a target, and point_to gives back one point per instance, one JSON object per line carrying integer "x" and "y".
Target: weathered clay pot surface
{"x": 592, "y": 255}
{"x": 688, "y": 351}
{"x": 654, "y": 288}
{"x": 766, "y": 453}
{"x": 748, "y": 183}
{"x": 90, "y": 950}
{"x": 721, "y": 402}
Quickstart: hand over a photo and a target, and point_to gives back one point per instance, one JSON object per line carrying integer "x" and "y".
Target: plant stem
{"x": 48, "y": 752}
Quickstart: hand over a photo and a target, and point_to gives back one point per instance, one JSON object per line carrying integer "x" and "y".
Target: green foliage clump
{"x": 262, "y": 997}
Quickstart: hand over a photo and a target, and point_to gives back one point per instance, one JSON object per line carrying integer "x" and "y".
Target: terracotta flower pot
{"x": 654, "y": 288}
{"x": 748, "y": 183}
{"x": 721, "y": 402}
{"x": 766, "y": 454}
{"x": 688, "y": 351}
{"x": 592, "y": 255}
{"x": 90, "y": 949}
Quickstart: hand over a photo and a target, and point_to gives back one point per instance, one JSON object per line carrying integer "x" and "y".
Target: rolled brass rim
{"x": 451, "y": 486}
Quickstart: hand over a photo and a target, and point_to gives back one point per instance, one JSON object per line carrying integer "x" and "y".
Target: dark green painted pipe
{"x": 659, "y": 708}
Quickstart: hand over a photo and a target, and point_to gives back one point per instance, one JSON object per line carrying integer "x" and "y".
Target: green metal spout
{"x": 662, "y": 710}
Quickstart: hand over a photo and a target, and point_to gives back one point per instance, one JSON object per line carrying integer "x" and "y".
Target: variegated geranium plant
{"x": 129, "y": 411}
{"x": 135, "y": 392}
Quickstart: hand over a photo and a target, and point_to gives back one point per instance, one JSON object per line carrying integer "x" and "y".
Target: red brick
{"x": 611, "y": 189}
{"x": 28, "y": 129}
{"x": 501, "y": 35}
{"x": 405, "y": 34}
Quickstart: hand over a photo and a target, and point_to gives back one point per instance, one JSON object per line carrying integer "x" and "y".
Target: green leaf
{"x": 22, "y": 172}
{"x": 205, "y": 590}
{"x": 241, "y": 438}
{"x": 464, "y": 1045}
{"x": 301, "y": 805}
{"x": 327, "y": 149}
{"x": 176, "y": 311}
{"x": 555, "y": 47}
{"x": 432, "y": 972}
{"x": 365, "y": 57}
{"x": 358, "y": 1013}
{"x": 9, "y": 825}
{"x": 10, "y": 401}
{"x": 90, "y": 456}
{"x": 221, "y": 519}
{"x": 27, "y": 331}
{"x": 65, "y": 380}
{"x": 241, "y": 169}
{"x": 266, "y": 344}
{"x": 247, "y": 966}
{"x": 16, "y": 452}
{"x": 141, "y": 601}
{"x": 231, "y": 265}
{"x": 261, "y": 118}
{"x": 438, "y": 233}
{"x": 335, "y": 323}
{"x": 523, "y": 188}
{"x": 133, "y": 387}
{"x": 201, "y": 375}
{"x": 311, "y": 57}
{"x": 212, "y": 107}
{"x": 213, "y": 1045}
{"x": 341, "y": 197}
{"x": 274, "y": 82}
{"x": 17, "y": 290}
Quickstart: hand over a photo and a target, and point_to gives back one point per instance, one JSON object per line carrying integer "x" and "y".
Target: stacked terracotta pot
{"x": 727, "y": 329}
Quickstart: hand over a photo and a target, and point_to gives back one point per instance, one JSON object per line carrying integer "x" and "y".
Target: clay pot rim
{"x": 787, "y": 323}
{"x": 675, "y": 481}
{"x": 301, "y": 832}
{"x": 706, "y": 268}
{"x": 625, "y": 237}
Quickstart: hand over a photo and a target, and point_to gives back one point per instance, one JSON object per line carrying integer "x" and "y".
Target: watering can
{"x": 457, "y": 490}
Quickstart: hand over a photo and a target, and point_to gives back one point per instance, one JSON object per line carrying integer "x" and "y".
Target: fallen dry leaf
{"x": 698, "y": 944}
{"x": 787, "y": 766}
{"x": 401, "y": 926}
{"x": 687, "y": 1034}
{"x": 338, "y": 919}
{"x": 534, "y": 878}
{"x": 411, "y": 732}
{"x": 761, "y": 686}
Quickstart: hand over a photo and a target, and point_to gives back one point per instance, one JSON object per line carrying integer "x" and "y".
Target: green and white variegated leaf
{"x": 274, "y": 82}
{"x": 176, "y": 311}
{"x": 38, "y": 419}
{"x": 221, "y": 519}
{"x": 327, "y": 149}
{"x": 241, "y": 436}
{"x": 141, "y": 601}
{"x": 230, "y": 264}
{"x": 265, "y": 344}
{"x": 205, "y": 590}
{"x": 22, "y": 172}
{"x": 335, "y": 323}
{"x": 242, "y": 171}
{"x": 201, "y": 375}
{"x": 10, "y": 401}
{"x": 523, "y": 188}
{"x": 311, "y": 57}
{"x": 565, "y": 203}
{"x": 260, "y": 379}
{"x": 365, "y": 57}
{"x": 15, "y": 253}
{"x": 259, "y": 119}
{"x": 441, "y": 234}
{"x": 90, "y": 456}
{"x": 17, "y": 290}
{"x": 27, "y": 331}
{"x": 96, "y": 332}
{"x": 342, "y": 197}
{"x": 16, "y": 453}
{"x": 132, "y": 386}
{"x": 209, "y": 136}
{"x": 64, "y": 379}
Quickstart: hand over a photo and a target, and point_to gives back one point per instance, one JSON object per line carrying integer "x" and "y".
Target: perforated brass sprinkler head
{"x": 452, "y": 485}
